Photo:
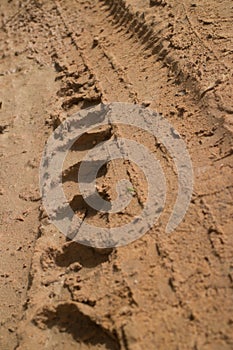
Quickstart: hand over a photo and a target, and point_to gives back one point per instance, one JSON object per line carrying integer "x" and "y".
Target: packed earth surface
{"x": 162, "y": 291}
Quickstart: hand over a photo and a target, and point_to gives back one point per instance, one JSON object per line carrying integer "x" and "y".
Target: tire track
{"x": 159, "y": 282}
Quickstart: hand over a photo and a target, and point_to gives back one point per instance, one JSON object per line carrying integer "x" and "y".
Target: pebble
{"x": 95, "y": 41}
{"x": 146, "y": 103}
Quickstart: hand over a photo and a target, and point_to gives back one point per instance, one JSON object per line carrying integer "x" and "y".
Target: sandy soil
{"x": 161, "y": 291}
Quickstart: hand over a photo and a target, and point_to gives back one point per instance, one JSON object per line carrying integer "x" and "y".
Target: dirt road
{"x": 161, "y": 291}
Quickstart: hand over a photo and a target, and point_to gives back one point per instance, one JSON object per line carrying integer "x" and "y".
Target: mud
{"x": 161, "y": 291}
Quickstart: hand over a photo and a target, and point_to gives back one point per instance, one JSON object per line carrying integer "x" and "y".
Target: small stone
{"x": 125, "y": 310}
{"x": 11, "y": 330}
{"x": 3, "y": 128}
{"x": 157, "y": 2}
{"x": 19, "y": 218}
{"x": 75, "y": 267}
{"x": 146, "y": 103}
{"x": 95, "y": 41}
{"x": 181, "y": 93}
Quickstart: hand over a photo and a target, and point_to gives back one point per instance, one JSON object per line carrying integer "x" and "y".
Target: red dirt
{"x": 161, "y": 291}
